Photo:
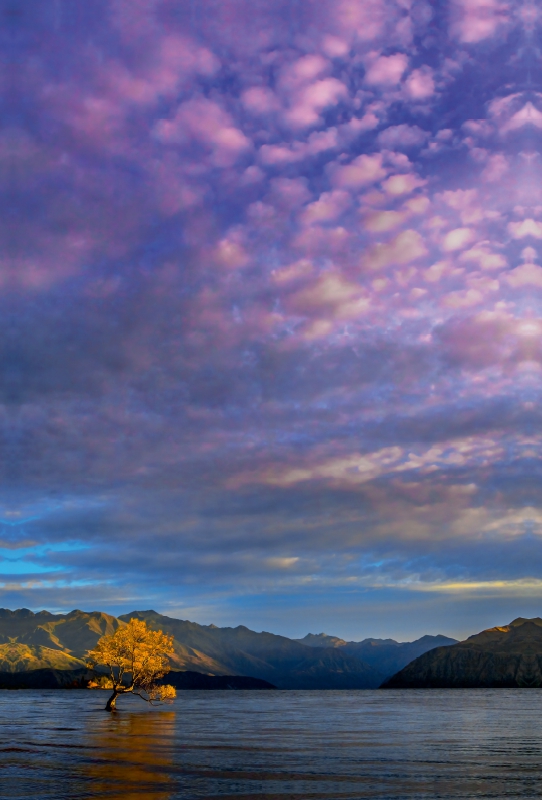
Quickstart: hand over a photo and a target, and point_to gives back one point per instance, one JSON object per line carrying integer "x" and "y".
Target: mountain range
{"x": 385, "y": 655}
{"x": 508, "y": 656}
{"x": 36, "y": 641}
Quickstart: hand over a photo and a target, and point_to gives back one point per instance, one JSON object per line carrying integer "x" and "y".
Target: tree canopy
{"x": 136, "y": 658}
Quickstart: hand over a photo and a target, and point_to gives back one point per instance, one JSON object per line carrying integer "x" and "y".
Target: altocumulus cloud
{"x": 271, "y": 330}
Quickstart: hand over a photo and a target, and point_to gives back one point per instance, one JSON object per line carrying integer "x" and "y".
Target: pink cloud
{"x": 482, "y": 283}
{"x": 303, "y": 71}
{"x": 478, "y": 341}
{"x": 53, "y": 258}
{"x": 289, "y": 193}
{"x": 386, "y": 71}
{"x": 299, "y": 269}
{"x": 463, "y": 298}
{"x": 478, "y": 128}
{"x": 485, "y": 259}
{"x": 476, "y": 20}
{"x": 329, "y": 206}
{"x": 398, "y": 136}
{"x": 365, "y": 20}
{"x": 334, "y": 47}
{"x": 420, "y": 84}
{"x": 529, "y": 115}
{"x": 175, "y": 190}
{"x": 417, "y": 205}
{"x": 382, "y": 221}
{"x": 310, "y": 101}
{"x": 260, "y": 100}
{"x": 441, "y": 269}
{"x": 496, "y": 167}
{"x": 99, "y": 117}
{"x": 330, "y": 289}
{"x": 363, "y": 170}
{"x": 329, "y": 299}
{"x": 202, "y": 121}
{"x": 176, "y": 58}
{"x": 525, "y": 275}
{"x": 318, "y": 142}
{"x": 368, "y": 122}
{"x": 467, "y": 203}
{"x": 527, "y": 227}
{"x": 402, "y": 184}
{"x": 503, "y": 106}
{"x": 252, "y": 175}
{"x": 317, "y": 241}
{"x": 459, "y": 199}
{"x": 457, "y": 239}
{"x": 231, "y": 253}
{"x": 272, "y": 154}
{"x": 406, "y": 247}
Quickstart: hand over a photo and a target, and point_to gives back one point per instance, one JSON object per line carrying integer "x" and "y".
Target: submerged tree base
{"x": 111, "y": 704}
{"x": 136, "y": 658}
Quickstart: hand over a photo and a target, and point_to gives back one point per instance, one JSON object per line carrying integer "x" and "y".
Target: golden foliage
{"x": 136, "y": 658}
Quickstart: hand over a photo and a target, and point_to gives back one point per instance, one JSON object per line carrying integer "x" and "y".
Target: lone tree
{"x": 136, "y": 658}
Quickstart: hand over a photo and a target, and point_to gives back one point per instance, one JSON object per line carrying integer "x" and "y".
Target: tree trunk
{"x": 112, "y": 702}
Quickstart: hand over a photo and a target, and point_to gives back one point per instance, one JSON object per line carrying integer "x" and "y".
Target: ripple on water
{"x": 230, "y": 745}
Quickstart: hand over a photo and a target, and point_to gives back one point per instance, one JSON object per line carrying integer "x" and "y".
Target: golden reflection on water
{"x": 450, "y": 744}
{"x": 132, "y": 756}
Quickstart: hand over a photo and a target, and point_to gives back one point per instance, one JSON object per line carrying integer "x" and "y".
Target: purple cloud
{"x": 271, "y": 285}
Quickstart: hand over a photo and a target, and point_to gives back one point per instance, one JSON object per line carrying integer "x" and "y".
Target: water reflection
{"x": 131, "y": 755}
{"x": 416, "y": 745}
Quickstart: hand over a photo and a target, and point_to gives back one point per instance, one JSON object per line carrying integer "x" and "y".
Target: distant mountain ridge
{"x": 277, "y": 659}
{"x": 42, "y": 641}
{"x": 507, "y": 656}
{"x": 385, "y": 655}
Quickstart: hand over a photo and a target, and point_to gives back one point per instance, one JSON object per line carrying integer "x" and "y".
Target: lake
{"x": 273, "y": 745}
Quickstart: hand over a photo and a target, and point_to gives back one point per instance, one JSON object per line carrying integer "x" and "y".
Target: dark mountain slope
{"x": 30, "y": 642}
{"x": 388, "y": 656}
{"x": 385, "y": 655}
{"x": 503, "y": 657}
{"x": 277, "y": 659}
{"x": 321, "y": 640}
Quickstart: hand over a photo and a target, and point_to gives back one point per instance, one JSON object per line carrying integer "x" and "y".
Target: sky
{"x": 270, "y": 312}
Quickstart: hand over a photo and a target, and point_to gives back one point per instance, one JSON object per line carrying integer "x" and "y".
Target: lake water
{"x": 273, "y": 745}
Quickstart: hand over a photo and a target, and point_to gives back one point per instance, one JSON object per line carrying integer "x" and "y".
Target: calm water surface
{"x": 273, "y": 745}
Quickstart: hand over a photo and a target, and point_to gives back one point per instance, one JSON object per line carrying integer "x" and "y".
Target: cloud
{"x": 260, "y": 100}
{"x": 457, "y": 239}
{"x": 401, "y": 184}
{"x": 525, "y": 275}
{"x": 271, "y": 300}
{"x": 402, "y": 136}
{"x": 526, "y": 116}
{"x": 329, "y": 206}
{"x": 382, "y": 221}
{"x": 203, "y": 122}
{"x": 386, "y": 71}
{"x": 476, "y": 20}
{"x": 404, "y": 248}
{"x": 420, "y": 84}
{"x": 496, "y": 167}
{"x": 486, "y": 260}
{"x": 310, "y": 101}
{"x": 363, "y": 170}
{"x": 317, "y": 142}
{"x": 527, "y": 227}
